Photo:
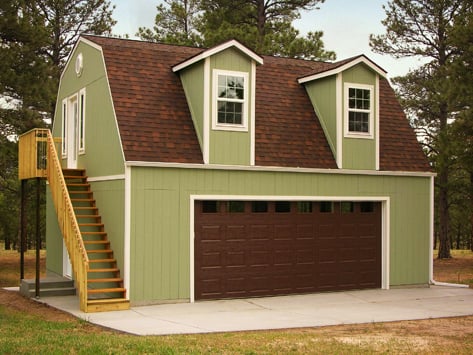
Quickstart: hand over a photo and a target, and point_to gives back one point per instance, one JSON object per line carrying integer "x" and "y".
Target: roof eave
{"x": 214, "y": 50}
{"x": 361, "y": 59}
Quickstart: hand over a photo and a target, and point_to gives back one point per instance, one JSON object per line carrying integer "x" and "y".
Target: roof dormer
{"x": 346, "y": 100}
{"x": 219, "y": 84}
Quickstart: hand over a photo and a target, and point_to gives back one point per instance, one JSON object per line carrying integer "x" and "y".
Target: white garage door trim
{"x": 385, "y": 224}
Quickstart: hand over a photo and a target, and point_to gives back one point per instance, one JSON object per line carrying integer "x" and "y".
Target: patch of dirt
{"x": 15, "y": 301}
{"x": 458, "y": 269}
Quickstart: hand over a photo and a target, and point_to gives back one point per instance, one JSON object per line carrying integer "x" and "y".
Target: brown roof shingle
{"x": 156, "y": 126}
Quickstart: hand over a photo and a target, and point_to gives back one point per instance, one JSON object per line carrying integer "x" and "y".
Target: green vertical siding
{"x": 323, "y": 94}
{"x": 359, "y": 153}
{"x": 103, "y": 154}
{"x": 110, "y": 199}
{"x": 192, "y": 79}
{"x": 102, "y": 142}
{"x": 53, "y": 238}
{"x": 160, "y": 219}
{"x": 230, "y": 147}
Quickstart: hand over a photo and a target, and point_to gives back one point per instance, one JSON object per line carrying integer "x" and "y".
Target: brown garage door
{"x": 260, "y": 248}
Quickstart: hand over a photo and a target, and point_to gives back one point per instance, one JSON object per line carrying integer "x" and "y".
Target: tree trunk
{"x": 261, "y": 24}
{"x": 444, "y": 240}
{"x": 471, "y": 202}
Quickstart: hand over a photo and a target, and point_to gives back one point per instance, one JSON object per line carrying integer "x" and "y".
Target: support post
{"x": 23, "y": 228}
{"x": 38, "y": 235}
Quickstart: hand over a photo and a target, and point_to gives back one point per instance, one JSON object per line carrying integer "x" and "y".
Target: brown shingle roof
{"x": 156, "y": 126}
{"x": 151, "y": 108}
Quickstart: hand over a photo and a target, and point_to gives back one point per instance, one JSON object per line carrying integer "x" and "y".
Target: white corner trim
{"x": 385, "y": 243}
{"x": 339, "y": 118}
{"x": 253, "y": 114}
{"x": 355, "y": 61}
{"x": 127, "y": 236}
{"x": 206, "y": 113}
{"x": 376, "y": 120}
{"x": 431, "y": 229}
{"x": 191, "y": 250}
{"x": 214, "y": 50}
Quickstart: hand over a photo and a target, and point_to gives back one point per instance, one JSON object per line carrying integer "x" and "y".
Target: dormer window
{"x": 359, "y": 111}
{"x": 230, "y": 100}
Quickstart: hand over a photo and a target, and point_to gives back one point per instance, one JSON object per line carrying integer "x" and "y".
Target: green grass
{"x": 21, "y": 333}
{"x": 24, "y": 330}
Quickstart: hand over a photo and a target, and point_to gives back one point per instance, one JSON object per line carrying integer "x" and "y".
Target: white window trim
{"x": 362, "y": 135}
{"x": 226, "y": 126}
{"x": 63, "y": 129}
{"x": 82, "y": 118}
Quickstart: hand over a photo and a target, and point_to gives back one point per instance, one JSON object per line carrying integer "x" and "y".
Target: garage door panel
{"x": 273, "y": 253}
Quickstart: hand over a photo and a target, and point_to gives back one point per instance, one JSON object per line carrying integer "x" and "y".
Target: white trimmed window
{"x": 230, "y": 100}
{"x": 359, "y": 117}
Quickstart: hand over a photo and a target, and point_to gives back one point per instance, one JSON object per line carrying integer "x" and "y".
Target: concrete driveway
{"x": 281, "y": 312}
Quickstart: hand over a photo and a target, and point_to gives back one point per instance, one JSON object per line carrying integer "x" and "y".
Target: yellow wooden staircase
{"x": 96, "y": 274}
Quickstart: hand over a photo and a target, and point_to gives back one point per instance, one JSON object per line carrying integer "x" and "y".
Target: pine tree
{"x": 424, "y": 29}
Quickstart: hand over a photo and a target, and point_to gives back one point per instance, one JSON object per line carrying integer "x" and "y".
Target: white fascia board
{"x": 145, "y": 164}
{"x": 217, "y": 49}
{"x": 361, "y": 59}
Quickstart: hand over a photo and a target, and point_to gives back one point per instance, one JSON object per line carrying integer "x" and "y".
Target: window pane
{"x": 259, "y": 206}
{"x": 347, "y": 207}
{"x": 358, "y": 121}
{"x": 209, "y": 206}
{"x": 282, "y": 206}
{"x": 326, "y": 207}
{"x": 367, "y": 207}
{"x": 236, "y": 206}
{"x": 304, "y": 207}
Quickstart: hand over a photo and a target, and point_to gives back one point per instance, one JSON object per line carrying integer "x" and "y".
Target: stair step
{"x": 77, "y": 184}
{"x": 106, "y": 290}
{"x": 114, "y": 269}
{"x": 91, "y": 224}
{"x": 80, "y": 192}
{"x": 96, "y": 242}
{"x": 82, "y": 200}
{"x": 86, "y": 208}
{"x": 110, "y": 304}
{"x": 91, "y": 261}
{"x": 100, "y": 251}
{"x": 48, "y": 287}
{"x": 88, "y": 216}
{"x": 104, "y": 280}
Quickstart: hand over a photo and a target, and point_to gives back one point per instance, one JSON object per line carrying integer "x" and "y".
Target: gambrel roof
{"x": 155, "y": 123}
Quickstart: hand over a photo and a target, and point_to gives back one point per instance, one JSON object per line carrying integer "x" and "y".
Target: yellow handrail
{"x": 67, "y": 221}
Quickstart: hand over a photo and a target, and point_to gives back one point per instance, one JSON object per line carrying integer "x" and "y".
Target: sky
{"x": 346, "y": 24}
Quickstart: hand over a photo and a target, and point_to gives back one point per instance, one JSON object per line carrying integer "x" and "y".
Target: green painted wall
{"x": 53, "y": 238}
{"x": 230, "y": 147}
{"x": 102, "y": 143}
{"x": 322, "y": 94}
{"x": 192, "y": 79}
{"x": 103, "y": 154}
{"x": 110, "y": 198}
{"x": 160, "y": 219}
{"x": 359, "y": 153}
